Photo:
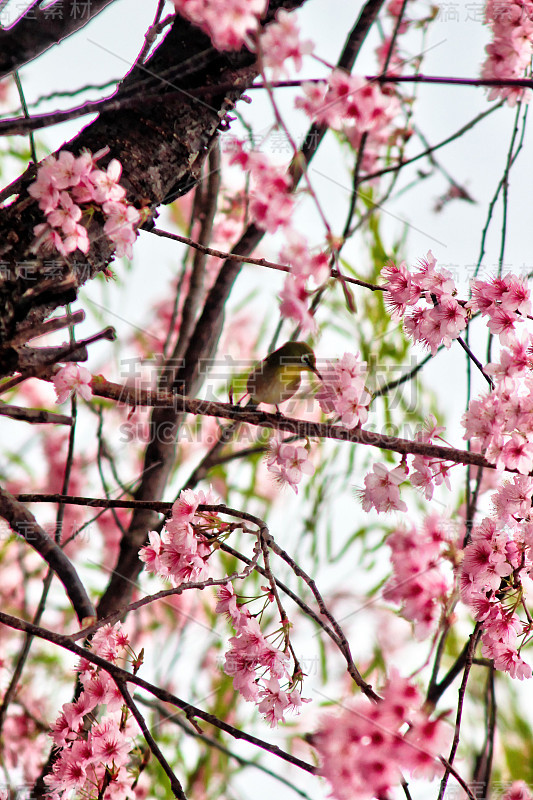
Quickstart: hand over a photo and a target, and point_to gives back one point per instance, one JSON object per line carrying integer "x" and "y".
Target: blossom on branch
{"x": 70, "y": 188}
{"x": 364, "y": 750}
{"x": 72, "y": 379}
{"x": 229, "y": 23}
{"x": 182, "y": 551}
{"x": 342, "y": 390}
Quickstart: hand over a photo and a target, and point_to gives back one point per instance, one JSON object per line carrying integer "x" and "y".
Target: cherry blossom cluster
{"x": 182, "y": 551}
{"x": 495, "y": 578}
{"x": 505, "y": 301}
{"x": 419, "y": 582}
{"x": 227, "y": 22}
{"x": 72, "y": 379}
{"x": 251, "y": 658}
{"x": 69, "y": 187}
{"x": 86, "y": 758}
{"x": 271, "y": 201}
{"x": 281, "y": 41}
{"x": 425, "y": 472}
{"x": 441, "y": 318}
{"x": 382, "y": 490}
{"x": 342, "y": 390}
{"x": 365, "y": 749}
{"x": 287, "y": 463}
{"x": 308, "y": 271}
{"x": 271, "y": 206}
{"x": 355, "y": 107}
{"x": 509, "y": 53}
{"x": 500, "y": 423}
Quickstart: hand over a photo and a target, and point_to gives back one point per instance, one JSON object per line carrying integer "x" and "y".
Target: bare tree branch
{"x": 41, "y": 28}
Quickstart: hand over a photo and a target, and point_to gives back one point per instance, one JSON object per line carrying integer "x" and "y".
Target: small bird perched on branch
{"x": 278, "y": 376}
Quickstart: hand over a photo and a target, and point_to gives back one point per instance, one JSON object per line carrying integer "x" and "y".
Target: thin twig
{"x": 175, "y": 785}
{"x": 260, "y": 262}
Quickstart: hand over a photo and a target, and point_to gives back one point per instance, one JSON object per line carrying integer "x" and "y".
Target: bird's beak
{"x": 317, "y": 373}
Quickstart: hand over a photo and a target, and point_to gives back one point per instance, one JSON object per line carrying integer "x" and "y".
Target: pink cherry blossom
{"x": 355, "y": 106}
{"x": 304, "y": 264}
{"x": 509, "y": 54}
{"x": 364, "y": 751}
{"x": 274, "y": 702}
{"x": 110, "y": 744}
{"x": 64, "y": 186}
{"x": 72, "y": 379}
{"x": 382, "y": 489}
{"x": 420, "y": 582}
{"x": 151, "y": 552}
{"x": 342, "y": 390}
{"x": 227, "y": 604}
{"x": 288, "y": 463}
{"x": 66, "y": 214}
{"x": 442, "y": 318}
{"x": 182, "y": 552}
{"x": 281, "y": 41}
{"x": 106, "y": 183}
{"x": 401, "y": 289}
{"x": 295, "y": 304}
{"x": 227, "y": 22}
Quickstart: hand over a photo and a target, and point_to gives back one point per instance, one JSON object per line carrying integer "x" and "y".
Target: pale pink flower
{"x": 295, "y": 304}
{"x": 102, "y": 690}
{"x": 227, "y": 22}
{"x": 509, "y": 54}
{"x": 420, "y": 582}
{"x": 106, "y": 183}
{"x": 274, "y": 702}
{"x": 67, "y": 772}
{"x": 78, "y": 239}
{"x": 182, "y": 552}
{"x": 72, "y": 379}
{"x": 382, "y": 489}
{"x": 45, "y": 188}
{"x": 281, "y": 41}
{"x": 66, "y": 215}
{"x": 271, "y": 204}
{"x": 302, "y": 262}
{"x": 227, "y": 603}
{"x": 70, "y": 170}
{"x": 63, "y": 184}
{"x": 402, "y": 291}
{"x": 342, "y": 390}
{"x": 150, "y": 553}
{"x": 507, "y": 659}
{"x": 288, "y": 463}
{"x": 517, "y": 454}
{"x": 47, "y": 240}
